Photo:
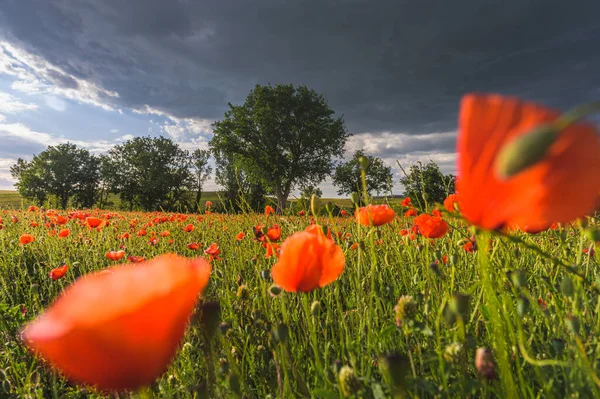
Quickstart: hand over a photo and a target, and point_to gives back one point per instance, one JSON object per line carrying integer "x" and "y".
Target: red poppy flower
{"x": 94, "y": 222}
{"x": 136, "y": 259}
{"x": 59, "y": 272}
{"x": 431, "y": 226}
{"x": 26, "y": 239}
{"x": 450, "y": 203}
{"x": 375, "y": 215}
{"x": 208, "y": 204}
{"x": 189, "y": 228}
{"x": 240, "y": 236}
{"x": 561, "y": 187}
{"x": 406, "y": 202}
{"x": 115, "y": 255}
{"x": 343, "y": 212}
{"x": 32, "y": 208}
{"x": 64, "y": 233}
{"x": 213, "y": 251}
{"x": 165, "y": 233}
{"x": 269, "y": 210}
{"x": 318, "y": 229}
{"x": 307, "y": 261}
{"x": 272, "y": 249}
{"x": 139, "y": 319}
{"x": 302, "y": 213}
{"x": 193, "y": 246}
{"x": 410, "y": 213}
{"x": 436, "y": 212}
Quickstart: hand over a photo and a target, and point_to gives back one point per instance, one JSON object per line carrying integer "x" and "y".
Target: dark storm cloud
{"x": 388, "y": 66}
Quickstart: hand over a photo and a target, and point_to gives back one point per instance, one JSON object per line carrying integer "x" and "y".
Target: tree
{"x": 427, "y": 184}
{"x": 347, "y": 176}
{"x": 283, "y": 137}
{"x": 63, "y": 171}
{"x": 30, "y": 181}
{"x": 153, "y": 173}
{"x": 202, "y": 172}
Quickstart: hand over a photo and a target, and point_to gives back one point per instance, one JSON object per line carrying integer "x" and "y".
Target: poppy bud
{"x": 566, "y": 286}
{"x": 394, "y": 369}
{"x": 274, "y": 290}
{"x": 35, "y": 288}
{"x": 281, "y": 333}
{"x": 355, "y": 198}
{"x": 349, "y": 382}
{"x": 363, "y": 162}
{"x": 522, "y": 305}
{"x": 525, "y": 151}
{"x": 484, "y": 363}
{"x": 453, "y": 259}
{"x": 315, "y": 204}
{"x": 315, "y": 308}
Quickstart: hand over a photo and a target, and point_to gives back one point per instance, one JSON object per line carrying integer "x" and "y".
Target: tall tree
{"x": 283, "y": 136}
{"x": 63, "y": 171}
{"x": 347, "y": 176}
{"x": 202, "y": 172}
{"x": 152, "y": 172}
{"x": 237, "y": 190}
{"x": 426, "y": 184}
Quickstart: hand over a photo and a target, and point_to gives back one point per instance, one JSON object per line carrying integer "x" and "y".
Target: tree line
{"x": 283, "y": 138}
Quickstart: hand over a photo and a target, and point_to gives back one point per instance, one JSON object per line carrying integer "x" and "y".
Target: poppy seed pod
{"x": 349, "y": 382}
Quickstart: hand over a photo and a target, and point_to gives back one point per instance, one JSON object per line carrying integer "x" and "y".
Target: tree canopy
{"x": 347, "y": 176}
{"x": 152, "y": 172}
{"x": 282, "y": 137}
{"x": 64, "y": 171}
{"x": 426, "y": 184}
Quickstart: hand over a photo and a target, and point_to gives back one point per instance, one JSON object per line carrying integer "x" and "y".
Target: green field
{"x": 406, "y": 318}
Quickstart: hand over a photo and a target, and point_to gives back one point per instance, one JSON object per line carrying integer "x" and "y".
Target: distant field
{"x": 10, "y": 199}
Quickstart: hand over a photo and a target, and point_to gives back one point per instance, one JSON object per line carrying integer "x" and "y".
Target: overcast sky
{"x": 96, "y": 73}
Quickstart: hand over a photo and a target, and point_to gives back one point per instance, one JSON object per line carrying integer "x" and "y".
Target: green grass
{"x": 532, "y": 300}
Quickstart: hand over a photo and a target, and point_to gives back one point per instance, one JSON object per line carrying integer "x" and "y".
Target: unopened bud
{"x": 275, "y": 291}
{"x": 349, "y": 382}
{"x": 315, "y": 308}
{"x": 355, "y": 198}
{"x": 363, "y": 162}
{"x": 280, "y": 333}
{"x": 484, "y": 363}
{"x": 525, "y": 151}
{"x": 315, "y": 204}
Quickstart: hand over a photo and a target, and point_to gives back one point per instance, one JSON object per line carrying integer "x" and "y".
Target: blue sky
{"x": 99, "y": 72}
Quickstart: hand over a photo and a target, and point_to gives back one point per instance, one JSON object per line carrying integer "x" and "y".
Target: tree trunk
{"x": 198, "y": 196}
{"x": 64, "y": 201}
{"x": 282, "y": 196}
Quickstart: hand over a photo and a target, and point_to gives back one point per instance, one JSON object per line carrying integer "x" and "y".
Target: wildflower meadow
{"x": 493, "y": 293}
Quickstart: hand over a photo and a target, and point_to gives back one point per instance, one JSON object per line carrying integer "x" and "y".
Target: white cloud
{"x": 34, "y": 75}
{"x": 114, "y": 130}
{"x": 23, "y": 132}
{"x": 10, "y": 104}
{"x": 124, "y": 137}
{"x": 5, "y": 176}
{"x": 56, "y": 103}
